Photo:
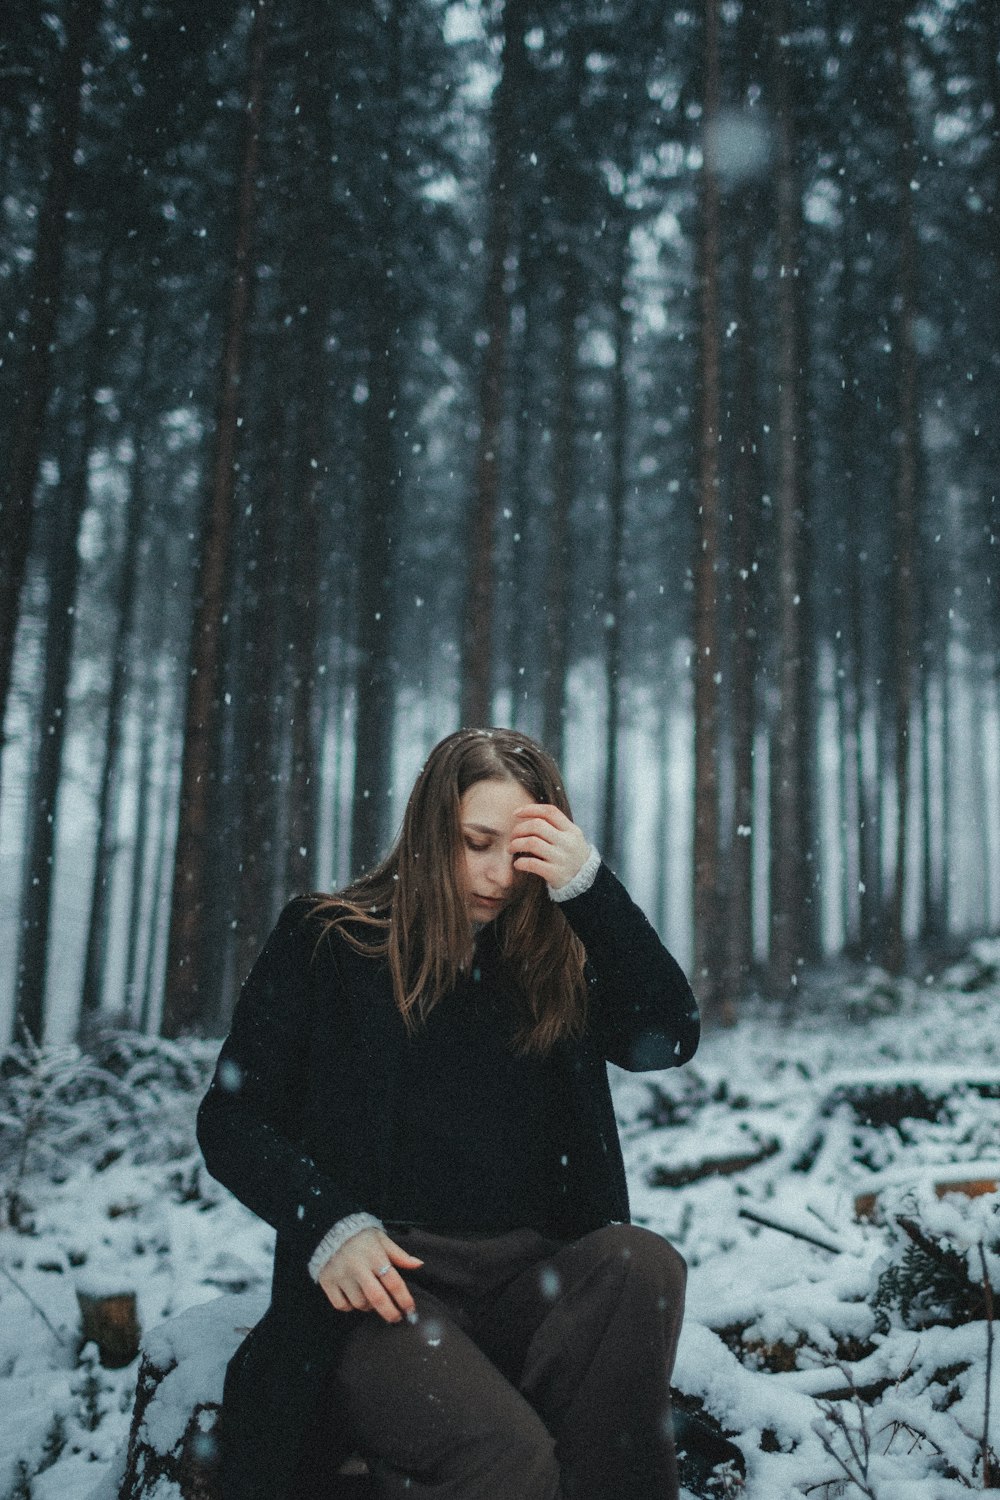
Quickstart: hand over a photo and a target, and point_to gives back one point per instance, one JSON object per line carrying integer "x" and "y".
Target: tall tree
{"x": 45, "y": 295}
{"x": 478, "y": 629}
{"x": 611, "y": 833}
{"x": 262, "y": 639}
{"x": 313, "y": 269}
{"x": 187, "y": 991}
{"x": 559, "y": 555}
{"x": 381, "y": 505}
{"x": 64, "y": 572}
{"x": 128, "y": 578}
{"x": 708, "y": 973}
{"x": 744, "y": 540}
{"x": 905, "y": 526}
{"x": 787, "y": 872}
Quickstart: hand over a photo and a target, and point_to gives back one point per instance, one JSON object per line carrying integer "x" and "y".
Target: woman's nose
{"x": 502, "y": 870}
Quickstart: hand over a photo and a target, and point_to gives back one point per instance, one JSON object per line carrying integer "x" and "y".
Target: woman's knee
{"x": 646, "y": 1258}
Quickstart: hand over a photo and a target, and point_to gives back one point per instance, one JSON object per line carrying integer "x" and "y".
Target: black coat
{"x": 298, "y": 1123}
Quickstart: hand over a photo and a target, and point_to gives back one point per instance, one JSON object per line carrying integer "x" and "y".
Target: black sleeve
{"x": 643, "y": 1014}
{"x": 250, "y": 1121}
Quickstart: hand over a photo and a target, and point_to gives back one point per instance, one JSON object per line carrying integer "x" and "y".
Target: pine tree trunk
{"x": 866, "y": 703}
{"x": 480, "y": 602}
{"x": 375, "y": 678}
{"x": 931, "y": 931}
{"x": 663, "y": 829}
{"x": 947, "y": 784}
{"x": 906, "y": 496}
{"x": 564, "y": 480}
{"x": 140, "y": 860}
{"x": 263, "y": 634}
{"x": 852, "y": 655}
{"x": 748, "y": 488}
{"x": 303, "y": 780}
{"x": 523, "y": 650}
{"x": 44, "y": 300}
{"x": 989, "y": 56}
{"x": 100, "y": 891}
{"x": 39, "y": 867}
{"x": 707, "y": 973}
{"x": 314, "y": 295}
{"x": 847, "y": 819}
{"x": 187, "y": 996}
{"x": 786, "y": 855}
{"x": 611, "y": 833}
{"x": 153, "y": 982}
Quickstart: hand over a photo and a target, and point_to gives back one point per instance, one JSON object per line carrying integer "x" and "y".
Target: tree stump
{"x": 111, "y": 1322}
{"x": 178, "y": 1397}
{"x": 173, "y": 1445}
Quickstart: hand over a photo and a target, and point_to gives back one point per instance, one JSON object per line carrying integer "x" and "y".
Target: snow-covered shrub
{"x": 933, "y": 1270}
{"x": 979, "y": 970}
{"x": 874, "y": 994}
{"x": 62, "y": 1107}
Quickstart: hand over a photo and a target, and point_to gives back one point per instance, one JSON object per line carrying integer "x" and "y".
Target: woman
{"x": 414, "y": 1093}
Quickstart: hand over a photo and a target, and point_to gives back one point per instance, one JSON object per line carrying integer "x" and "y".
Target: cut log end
{"x": 112, "y": 1323}
{"x": 866, "y": 1205}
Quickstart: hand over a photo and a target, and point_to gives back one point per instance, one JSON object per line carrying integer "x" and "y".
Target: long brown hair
{"x": 410, "y": 908}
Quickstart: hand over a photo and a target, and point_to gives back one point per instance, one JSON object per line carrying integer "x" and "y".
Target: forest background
{"x": 623, "y": 371}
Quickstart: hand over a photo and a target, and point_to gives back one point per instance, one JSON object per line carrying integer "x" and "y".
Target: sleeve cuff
{"x": 582, "y": 880}
{"x": 342, "y": 1231}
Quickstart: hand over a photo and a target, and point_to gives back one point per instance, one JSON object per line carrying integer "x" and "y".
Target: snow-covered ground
{"x": 821, "y": 1356}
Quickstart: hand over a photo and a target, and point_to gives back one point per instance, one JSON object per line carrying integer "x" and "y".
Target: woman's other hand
{"x": 545, "y": 842}
{"x": 362, "y": 1277}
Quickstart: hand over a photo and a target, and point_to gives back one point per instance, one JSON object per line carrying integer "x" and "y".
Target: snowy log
{"x": 173, "y": 1446}
{"x": 173, "y": 1438}
{"x": 662, "y": 1175}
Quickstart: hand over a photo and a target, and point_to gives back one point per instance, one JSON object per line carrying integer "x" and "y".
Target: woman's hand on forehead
{"x": 545, "y": 842}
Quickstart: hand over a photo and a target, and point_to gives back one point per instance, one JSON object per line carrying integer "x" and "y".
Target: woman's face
{"x": 486, "y": 827}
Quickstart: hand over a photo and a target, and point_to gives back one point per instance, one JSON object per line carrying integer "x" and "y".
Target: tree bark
{"x": 611, "y": 833}
{"x": 748, "y": 487}
{"x": 132, "y": 1006}
{"x": 39, "y": 867}
{"x": 264, "y": 631}
{"x": 312, "y": 538}
{"x": 905, "y": 524}
{"x": 787, "y": 875}
{"x": 185, "y": 999}
{"x": 851, "y": 654}
{"x": 100, "y": 889}
{"x": 375, "y": 677}
{"x": 707, "y": 973}
{"x": 523, "y": 649}
{"x": 44, "y": 299}
{"x": 478, "y": 628}
{"x": 989, "y": 57}
{"x": 564, "y": 479}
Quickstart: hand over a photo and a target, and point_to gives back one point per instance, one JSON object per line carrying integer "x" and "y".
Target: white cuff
{"x": 582, "y": 880}
{"x": 342, "y": 1231}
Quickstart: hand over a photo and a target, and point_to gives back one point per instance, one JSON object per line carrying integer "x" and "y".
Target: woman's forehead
{"x": 491, "y": 804}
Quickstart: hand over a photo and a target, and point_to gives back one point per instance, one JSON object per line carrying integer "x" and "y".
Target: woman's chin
{"x": 483, "y": 910}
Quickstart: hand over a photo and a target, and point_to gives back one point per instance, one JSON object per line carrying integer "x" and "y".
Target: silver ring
{"x": 384, "y": 1270}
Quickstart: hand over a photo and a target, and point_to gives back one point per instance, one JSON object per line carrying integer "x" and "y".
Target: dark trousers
{"x": 536, "y": 1370}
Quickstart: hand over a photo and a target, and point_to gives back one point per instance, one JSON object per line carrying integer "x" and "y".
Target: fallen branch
{"x": 713, "y": 1166}
{"x": 796, "y": 1234}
